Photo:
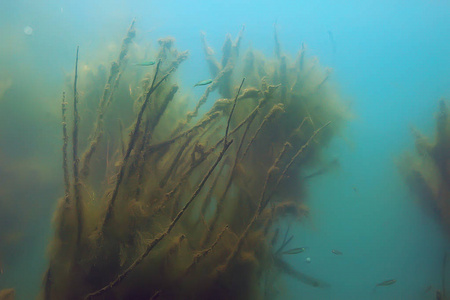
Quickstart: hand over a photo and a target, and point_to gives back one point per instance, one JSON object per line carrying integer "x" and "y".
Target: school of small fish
{"x": 336, "y": 252}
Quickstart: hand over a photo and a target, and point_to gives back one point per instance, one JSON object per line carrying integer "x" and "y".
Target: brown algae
{"x": 186, "y": 206}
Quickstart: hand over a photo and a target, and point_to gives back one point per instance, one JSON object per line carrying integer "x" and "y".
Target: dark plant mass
{"x": 167, "y": 201}
{"x": 428, "y": 171}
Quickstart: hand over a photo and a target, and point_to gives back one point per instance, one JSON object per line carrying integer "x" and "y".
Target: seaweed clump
{"x": 191, "y": 198}
{"x": 427, "y": 172}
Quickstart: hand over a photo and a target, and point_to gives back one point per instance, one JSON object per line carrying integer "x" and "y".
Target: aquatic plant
{"x": 427, "y": 172}
{"x": 192, "y": 200}
{"x": 7, "y": 294}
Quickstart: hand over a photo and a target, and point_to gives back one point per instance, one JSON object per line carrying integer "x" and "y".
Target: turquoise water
{"x": 390, "y": 60}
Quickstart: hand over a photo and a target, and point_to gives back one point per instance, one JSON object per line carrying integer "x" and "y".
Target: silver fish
{"x": 203, "y": 82}
{"x": 294, "y": 251}
{"x": 145, "y": 63}
{"x": 337, "y": 252}
{"x": 387, "y": 282}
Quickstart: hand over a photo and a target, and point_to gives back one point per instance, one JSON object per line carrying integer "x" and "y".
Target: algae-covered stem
{"x": 48, "y": 274}
{"x": 280, "y": 264}
{"x": 76, "y": 178}
{"x": 208, "y": 196}
{"x": 112, "y": 83}
{"x": 210, "y": 116}
{"x": 259, "y": 209}
{"x": 252, "y": 114}
{"x": 213, "y": 64}
{"x": 444, "y": 268}
{"x": 275, "y": 109}
{"x": 202, "y": 123}
{"x": 232, "y": 110}
{"x": 133, "y": 137}
{"x": 161, "y": 236}
{"x": 300, "y": 151}
{"x": 155, "y": 295}
{"x": 202, "y": 254}
{"x": 122, "y": 143}
{"x": 221, "y": 200}
{"x": 262, "y": 201}
{"x": 64, "y": 150}
{"x": 227, "y": 69}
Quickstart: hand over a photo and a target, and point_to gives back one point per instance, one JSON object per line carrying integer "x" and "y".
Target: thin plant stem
{"x": 64, "y": 151}
{"x": 133, "y": 137}
{"x": 162, "y": 235}
{"x": 76, "y": 177}
{"x": 107, "y": 96}
{"x": 263, "y": 200}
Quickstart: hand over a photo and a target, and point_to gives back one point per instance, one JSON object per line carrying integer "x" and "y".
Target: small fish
{"x": 295, "y": 251}
{"x": 146, "y": 63}
{"x": 355, "y": 189}
{"x": 203, "y": 82}
{"x": 337, "y": 252}
{"x": 387, "y": 282}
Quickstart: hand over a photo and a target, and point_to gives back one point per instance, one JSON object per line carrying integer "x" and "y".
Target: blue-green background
{"x": 391, "y": 61}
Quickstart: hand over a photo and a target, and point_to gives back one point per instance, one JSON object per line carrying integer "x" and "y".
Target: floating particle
{"x": 28, "y": 30}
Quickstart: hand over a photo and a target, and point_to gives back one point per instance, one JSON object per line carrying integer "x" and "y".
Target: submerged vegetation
{"x": 187, "y": 205}
{"x": 428, "y": 171}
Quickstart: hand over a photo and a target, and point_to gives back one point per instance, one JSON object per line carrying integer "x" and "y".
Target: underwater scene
{"x": 224, "y": 150}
